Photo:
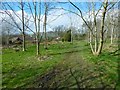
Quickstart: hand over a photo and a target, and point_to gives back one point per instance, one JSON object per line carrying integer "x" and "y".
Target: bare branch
{"x": 81, "y": 15}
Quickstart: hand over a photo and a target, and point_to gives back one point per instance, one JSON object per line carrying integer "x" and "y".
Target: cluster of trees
{"x": 96, "y": 34}
{"x": 61, "y": 32}
{"x": 96, "y": 27}
{"x": 23, "y": 26}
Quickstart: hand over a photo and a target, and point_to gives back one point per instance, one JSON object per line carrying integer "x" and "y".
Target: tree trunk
{"x": 71, "y": 37}
{"x": 101, "y": 35}
{"x": 95, "y": 32}
{"x": 98, "y": 47}
{"x": 112, "y": 36}
{"x": 23, "y": 35}
{"x": 95, "y": 40}
{"x": 102, "y": 29}
{"x": 45, "y": 21}
{"x": 45, "y": 33}
{"x": 38, "y": 33}
{"x": 112, "y": 31}
{"x": 8, "y": 36}
{"x": 100, "y": 44}
{"x": 23, "y": 28}
{"x": 90, "y": 41}
{"x": 37, "y": 44}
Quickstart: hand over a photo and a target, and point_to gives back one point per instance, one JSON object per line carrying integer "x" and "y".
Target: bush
{"x": 67, "y": 36}
{"x": 63, "y": 39}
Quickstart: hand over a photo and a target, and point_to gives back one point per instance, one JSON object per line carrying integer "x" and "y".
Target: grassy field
{"x": 62, "y": 65}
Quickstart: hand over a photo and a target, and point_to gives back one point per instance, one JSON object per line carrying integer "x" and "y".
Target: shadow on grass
{"x": 81, "y": 83}
{"x": 64, "y": 82}
{"x": 72, "y": 51}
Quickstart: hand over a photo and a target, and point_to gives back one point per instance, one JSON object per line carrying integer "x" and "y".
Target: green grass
{"x": 21, "y": 69}
{"x": 106, "y": 63}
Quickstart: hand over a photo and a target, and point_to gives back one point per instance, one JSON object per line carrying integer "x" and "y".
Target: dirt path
{"x": 73, "y": 72}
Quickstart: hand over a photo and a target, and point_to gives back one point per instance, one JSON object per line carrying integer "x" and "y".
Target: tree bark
{"x": 90, "y": 41}
{"x": 112, "y": 35}
{"x": 23, "y": 36}
{"x": 112, "y": 30}
{"x": 102, "y": 29}
{"x": 98, "y": 46}
{"x": 45, "y": 21}
{"x": 37, "y": 44}
{"x": 23, "y": 27}
{"x": 8, "y": 37}
{"x": 95, "y": 29}
{"x": 38, "y": 34}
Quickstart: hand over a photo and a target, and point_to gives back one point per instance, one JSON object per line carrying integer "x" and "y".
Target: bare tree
{"x": 47, "y": 8}
{"x": 45, "y": 22}
{"x": 113, "y": 23}
{"x": 7, "y": 30}
{"x": 36, "y": 15}
{"x": 21, "y": 18}
{"x": 106, "y": 6}
{"x": 23, "y": 27}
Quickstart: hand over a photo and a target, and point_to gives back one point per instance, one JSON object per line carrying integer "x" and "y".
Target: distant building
{"x": 19, "y": 39}
{"x": 16, "y": 40}
{"x": 57, "y": 38}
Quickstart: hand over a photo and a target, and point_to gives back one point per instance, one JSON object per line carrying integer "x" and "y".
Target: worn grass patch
{"x": 81, "y": 70}
{"x": 62, "y": 65}
{"x": 19, "y": 69}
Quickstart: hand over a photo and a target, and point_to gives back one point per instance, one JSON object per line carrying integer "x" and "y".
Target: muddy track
{"x": 73, "y": 72}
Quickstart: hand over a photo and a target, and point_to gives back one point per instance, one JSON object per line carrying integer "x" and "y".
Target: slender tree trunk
{"x": 90, "y": 41}
{"x": 37, "y": 48}
{"x": 23, "y": 35}
{"x": 23, "y": 28}
{"x": 45, "y": 33}
{"x": 112, "y": 35}
{"x": 95, "y": 33}
{"x": 45, "y": 21}
{"x": 8, "y": 36}
{"x": 95, "y": 30}
{"x": 88, "y": 37}
{"x": 37, "y": 44}
{"x": 71, "y": 37}
{"x": 95, "y": 40}
{"x": 101, "y": 34}
{"x": 101, "y": 44}
{"x": 38, "y": 34}
{"x": 36, "y": 15}
{"x": 112, "y": 31}
{"x": 102, "y": 29}
{"x": 98, "y": 47}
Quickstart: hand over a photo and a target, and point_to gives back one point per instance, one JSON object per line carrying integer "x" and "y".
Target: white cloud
{"x": 62, "y": 17}
{"x": 54, "y": 19}
{"x": 17, "y": 16}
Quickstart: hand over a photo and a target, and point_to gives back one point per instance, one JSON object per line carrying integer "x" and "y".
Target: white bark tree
{"x": 98, "y": 42}
{"x": 36, "y": 15}
{"x": 47, "y": 8}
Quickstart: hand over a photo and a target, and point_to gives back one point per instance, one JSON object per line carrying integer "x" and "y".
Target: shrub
{"x": 67, "y": 36}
